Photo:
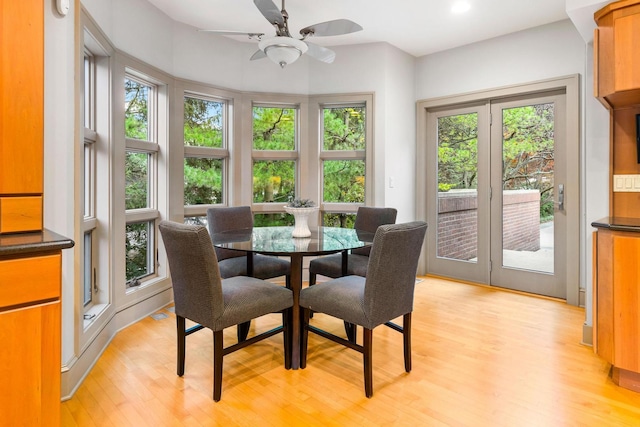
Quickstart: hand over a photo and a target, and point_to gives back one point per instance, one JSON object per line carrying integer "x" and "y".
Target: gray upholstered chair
{"x": 383, "y": 295}
{"x": 202, "y": 296}
{"x": 367, "y": 219}
{"x": 234, "y": 263}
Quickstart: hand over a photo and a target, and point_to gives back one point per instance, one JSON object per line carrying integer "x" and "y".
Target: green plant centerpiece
{"x": 301, "y": 209}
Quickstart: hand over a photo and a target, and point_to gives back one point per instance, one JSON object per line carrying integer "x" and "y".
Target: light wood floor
{"x": 481, "y": 357}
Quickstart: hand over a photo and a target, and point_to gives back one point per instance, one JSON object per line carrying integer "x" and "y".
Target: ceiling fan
{"x": 284, "y": 49}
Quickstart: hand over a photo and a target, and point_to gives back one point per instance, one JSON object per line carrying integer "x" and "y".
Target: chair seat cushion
{"x": 342, "y": 298}
{"x": 264, "y": 267}
{"x": 246, "y": 298}
{"x": 331, "y": 265}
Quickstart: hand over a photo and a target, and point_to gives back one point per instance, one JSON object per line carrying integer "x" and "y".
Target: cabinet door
{"x": 30, "y": 366}
{"x": 626, "y": 34}
{"x": 603, "y": 296}
{"x": 21, "y": 97}
{"x": 626, "y": 301}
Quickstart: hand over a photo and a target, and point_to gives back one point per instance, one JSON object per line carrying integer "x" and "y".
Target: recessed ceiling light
{"x": 460, "y": 7}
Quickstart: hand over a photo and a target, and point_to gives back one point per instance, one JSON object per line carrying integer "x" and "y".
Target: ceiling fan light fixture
{"x": 283, "y": 50}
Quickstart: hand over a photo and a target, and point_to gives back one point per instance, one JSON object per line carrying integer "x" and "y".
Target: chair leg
{"x": 304, "y": 338}
{"x": 367, "y": 359}
{"x": 287, "y": 337}
{"x": 243, "y": 330}
{"x": 406, "y": 334}
{"x": 217, "y": 365}
{"x": 312, "y": 281}
{"x": 182, "y": 336}
{"x": 351, "y": 331}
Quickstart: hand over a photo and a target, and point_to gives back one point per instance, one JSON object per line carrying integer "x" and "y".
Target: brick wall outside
{"x": 457, "y": 222}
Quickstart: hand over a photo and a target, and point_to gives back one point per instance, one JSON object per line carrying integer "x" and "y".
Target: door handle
{"x": 560, "y": 197}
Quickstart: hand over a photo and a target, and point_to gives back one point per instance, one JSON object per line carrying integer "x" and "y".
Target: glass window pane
{"x": 137, "y": 180}
{"x": 136, "y": 110}
{"x": 87, "y": 268}
{"x": 202, "y": 181}
{"x": 342, "y": 220}
{"x": 139, "y": 250}
{"x": 343, "y": 181}
{"x": 272, "y": 219}
{"x": 274, "y": 128}
{"x": 88, "y": 92}
{"x": 344, "y": 128}
{"x": 87, "y": 180}
{"x": 457, "y": 187}
{"x": 203, "y": 122}
{"x": 273, "y": 181}
{"x": 196, "y": 220}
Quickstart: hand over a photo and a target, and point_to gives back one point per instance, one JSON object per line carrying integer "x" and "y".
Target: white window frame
{"x": 318, "y": 103}
{"x": 223, "y": 153}
{"x": 158, "y": 190}
{"x": 96, "y": 128}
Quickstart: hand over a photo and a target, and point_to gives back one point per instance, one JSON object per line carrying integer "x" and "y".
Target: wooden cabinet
{"x": 30, "y": 329}
{"x": 21, "y": 115}
{"x": 616, "y": 336}
{"x": 617, "y": 61}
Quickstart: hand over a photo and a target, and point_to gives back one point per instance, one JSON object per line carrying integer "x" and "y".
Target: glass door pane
{"x": 528, "y": 147}
{"x": 529, "y": 171}
{"x": 457, "y": 235}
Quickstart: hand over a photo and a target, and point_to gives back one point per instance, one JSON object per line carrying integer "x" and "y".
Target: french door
{"x": 496, "y": 192}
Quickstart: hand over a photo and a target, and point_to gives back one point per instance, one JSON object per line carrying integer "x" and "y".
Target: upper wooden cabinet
{"x": 616, "y": 55}
{"x": 21, "y": 115}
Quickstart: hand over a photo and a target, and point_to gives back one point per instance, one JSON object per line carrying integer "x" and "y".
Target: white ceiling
{"x": 418, "y": 27}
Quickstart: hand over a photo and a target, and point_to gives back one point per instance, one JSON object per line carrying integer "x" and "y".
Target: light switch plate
{"x": 626, "y": 183}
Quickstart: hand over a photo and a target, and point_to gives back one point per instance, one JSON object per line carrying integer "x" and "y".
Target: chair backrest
{"x": 197, "y": 287}
{"x": 369, "y": 219}
{"x": 225, "y": 219}
{"x": 391, "y": 274}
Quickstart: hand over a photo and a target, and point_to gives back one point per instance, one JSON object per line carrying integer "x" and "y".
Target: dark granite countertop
{"x": 618, "y": 224}
{"x": 33, "y": 242}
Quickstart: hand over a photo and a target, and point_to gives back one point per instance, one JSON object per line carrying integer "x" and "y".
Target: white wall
{"x": 59, "y": 154}
{"x": 540, "y": 53}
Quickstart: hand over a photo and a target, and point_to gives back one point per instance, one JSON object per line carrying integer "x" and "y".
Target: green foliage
{"x": 274, "y": 128}
{"x": 458, "y": 151}
{"x": 136, "y": 180}
{"x": 528, "y": 151}
{"x": 136, "y": 114}
{"x": 273, "y": 181}
{"x": 203, "y": 122}
{"x": 344, "y": 128}
{"x": 273, "y": 219}
{"x": 342, "y": 220}
{"x": 202, "y": 181}
{"x": 136, "y": 250}
{"x": 343, "y": 181}
{"x": 203, "y": 127}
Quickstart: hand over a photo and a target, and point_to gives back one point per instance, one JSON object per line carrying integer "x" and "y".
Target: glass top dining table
{"x": 280, "y": 242}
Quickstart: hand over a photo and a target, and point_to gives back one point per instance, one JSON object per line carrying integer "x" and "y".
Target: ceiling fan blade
{"x": 233, "y": 33}
{"x": 336, "y": 27}
{"x": 270, "y": 11}
{"x": 258, "y": 55}
{"x": 320, "y": 53}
